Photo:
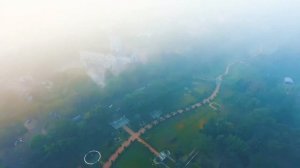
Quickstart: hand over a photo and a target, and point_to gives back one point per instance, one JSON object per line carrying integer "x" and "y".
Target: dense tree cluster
{"x": 260, "y": 125}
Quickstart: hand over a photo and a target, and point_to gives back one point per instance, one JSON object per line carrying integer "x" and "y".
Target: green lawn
{"x": 180, "y": 135}
{"x": 135, "y": 156}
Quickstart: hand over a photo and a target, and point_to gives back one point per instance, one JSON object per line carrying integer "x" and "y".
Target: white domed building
{"x": 288, "y": 80}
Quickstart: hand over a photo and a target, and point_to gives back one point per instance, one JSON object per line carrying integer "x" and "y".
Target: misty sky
{"x": 37, "y": 35}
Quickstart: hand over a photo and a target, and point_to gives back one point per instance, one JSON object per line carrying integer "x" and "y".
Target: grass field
{"x": 135, "y": 156}
{"x": 179, "y": 135}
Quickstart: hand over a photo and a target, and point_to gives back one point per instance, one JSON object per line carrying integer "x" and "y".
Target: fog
{"x": 45, "y": 35}
{"x": 68, "y": 69}
{"x": 40, "y": 39}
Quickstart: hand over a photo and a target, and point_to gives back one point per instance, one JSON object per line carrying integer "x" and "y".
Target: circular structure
{"x": 92, "y": 157}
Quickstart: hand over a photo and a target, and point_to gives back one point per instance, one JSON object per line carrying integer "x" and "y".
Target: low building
{"x": 288, "y": 80}
{"x": 156, "y": 114}
{"x": 119, "y": 123}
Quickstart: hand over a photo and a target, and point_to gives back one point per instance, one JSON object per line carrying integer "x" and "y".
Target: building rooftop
{"x": 288, "y": 80}
{"x": 119, "y": 123}
{"x": 156, "y": 114}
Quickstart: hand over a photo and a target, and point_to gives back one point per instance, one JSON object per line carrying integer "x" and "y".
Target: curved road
{"x": 136, "y": 135}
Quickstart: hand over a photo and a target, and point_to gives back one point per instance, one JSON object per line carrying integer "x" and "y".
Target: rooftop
{"x": 119, "y": 123}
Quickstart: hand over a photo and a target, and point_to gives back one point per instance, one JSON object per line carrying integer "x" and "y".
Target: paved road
{"x": 136, "y": 135}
